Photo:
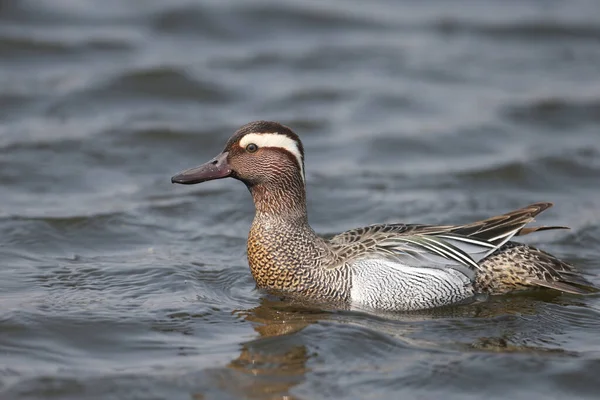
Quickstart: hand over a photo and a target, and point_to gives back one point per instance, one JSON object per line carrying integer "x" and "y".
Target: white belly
{"x": 386, "y": 285}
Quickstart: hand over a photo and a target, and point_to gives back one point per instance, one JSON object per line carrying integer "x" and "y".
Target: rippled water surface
{"x": 116, "y": 284}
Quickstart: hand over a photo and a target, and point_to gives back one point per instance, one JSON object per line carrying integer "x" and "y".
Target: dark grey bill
{"x": 216, "y": 168}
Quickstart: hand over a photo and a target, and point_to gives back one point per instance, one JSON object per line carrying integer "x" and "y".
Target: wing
{"x": 360, "y": 234}
{"x": 417, "y": 250}
{"x": 459, "y": 247}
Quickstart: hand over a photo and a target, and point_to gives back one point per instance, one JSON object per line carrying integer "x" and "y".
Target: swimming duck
{"x": 388, "y": 267}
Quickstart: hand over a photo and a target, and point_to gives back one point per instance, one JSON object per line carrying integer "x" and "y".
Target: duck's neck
{"x": 286, "y": 205}
{"x": 281, "y": 243}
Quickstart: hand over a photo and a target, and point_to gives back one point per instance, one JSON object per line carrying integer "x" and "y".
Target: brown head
{"x": 268, "y": 157}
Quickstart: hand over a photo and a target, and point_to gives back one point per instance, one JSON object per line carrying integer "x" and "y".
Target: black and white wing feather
{"x": 459, "y": 247}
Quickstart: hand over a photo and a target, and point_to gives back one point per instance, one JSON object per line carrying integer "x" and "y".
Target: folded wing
{"x": 458, "y": 247}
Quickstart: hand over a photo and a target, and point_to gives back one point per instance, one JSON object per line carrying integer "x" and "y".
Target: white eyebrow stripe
{"x": 275, "y": 140}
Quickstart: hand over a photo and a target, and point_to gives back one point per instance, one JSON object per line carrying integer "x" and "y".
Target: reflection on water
{"x": 274, "y": 365}
{"x": 273, "y": 362}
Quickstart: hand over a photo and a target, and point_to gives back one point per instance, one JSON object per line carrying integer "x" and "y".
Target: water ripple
{"x": 557, "y": 113}
{"x": 24, "y": 46}
{"x": 526, "y": 30}
{"x": 162, "y": 82}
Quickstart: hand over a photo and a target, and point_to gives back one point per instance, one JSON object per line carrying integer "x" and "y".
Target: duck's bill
{"x": 217, "y": 168}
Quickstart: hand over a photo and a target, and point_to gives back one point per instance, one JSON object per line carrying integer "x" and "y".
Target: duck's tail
{"x": 514, "y": 266}
{"x": 530, "y": 229}
{"x": 499, "y": 229}
{"x": 517, "y": 266}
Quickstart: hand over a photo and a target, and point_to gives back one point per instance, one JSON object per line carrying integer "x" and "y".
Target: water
{"x": 116, "y": 284}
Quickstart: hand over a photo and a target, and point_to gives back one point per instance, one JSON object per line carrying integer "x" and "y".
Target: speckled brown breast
{"x": 291, "y": 260}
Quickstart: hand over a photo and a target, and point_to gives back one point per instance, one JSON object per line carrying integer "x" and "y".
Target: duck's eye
{"x": 251, "y": 148}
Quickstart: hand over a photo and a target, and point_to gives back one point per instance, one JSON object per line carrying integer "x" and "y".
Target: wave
{"x": 556, "y": 112}
{"x": 532, "y": 30}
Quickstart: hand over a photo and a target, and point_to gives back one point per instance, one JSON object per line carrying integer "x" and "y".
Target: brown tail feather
{"x": 495, "y": 227}
{"x": 562, "y": 286}
{"x": 531, "y": 229}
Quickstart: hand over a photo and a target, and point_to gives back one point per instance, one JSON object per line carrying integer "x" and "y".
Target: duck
{"x": 385, "y": 267}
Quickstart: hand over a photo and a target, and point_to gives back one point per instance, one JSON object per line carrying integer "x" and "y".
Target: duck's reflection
{"x": 273, "y": 364}
{"x": 276, "y": 360}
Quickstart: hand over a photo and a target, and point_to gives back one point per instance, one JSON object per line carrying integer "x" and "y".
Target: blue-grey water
{"x": 116, "y": 284}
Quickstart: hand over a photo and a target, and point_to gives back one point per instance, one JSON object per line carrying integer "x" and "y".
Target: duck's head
{"x": 260, "y": 154}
